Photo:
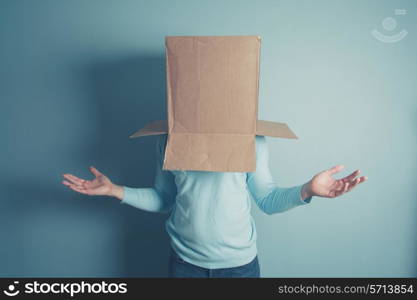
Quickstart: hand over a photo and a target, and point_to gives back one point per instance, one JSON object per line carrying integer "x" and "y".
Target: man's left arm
{"x": 273, "y": 199}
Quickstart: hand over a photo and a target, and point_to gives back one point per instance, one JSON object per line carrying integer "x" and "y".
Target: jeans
{"x": 180, "y": 268}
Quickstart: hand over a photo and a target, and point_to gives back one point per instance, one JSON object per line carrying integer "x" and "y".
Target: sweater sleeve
{"x": 268, "y": 196}
{"x": 161, "y": 196}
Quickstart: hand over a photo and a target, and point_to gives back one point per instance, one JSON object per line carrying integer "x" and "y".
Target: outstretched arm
{"x": 267, "y": 195}
{"x": 273, "y": 199}
{"x": 158, "y": 198}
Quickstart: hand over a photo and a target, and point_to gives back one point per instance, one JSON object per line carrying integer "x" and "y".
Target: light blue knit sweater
{"x": 210, "y": 224}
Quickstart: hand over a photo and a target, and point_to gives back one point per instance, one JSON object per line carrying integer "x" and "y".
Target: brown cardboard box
{"x": 212, "y": 93}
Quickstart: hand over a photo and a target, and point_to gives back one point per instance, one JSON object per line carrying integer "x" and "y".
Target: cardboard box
{"x": 212, "y": 97}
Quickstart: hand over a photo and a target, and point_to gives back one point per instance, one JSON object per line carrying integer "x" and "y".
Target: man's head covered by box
{"x": 212, "y": 97}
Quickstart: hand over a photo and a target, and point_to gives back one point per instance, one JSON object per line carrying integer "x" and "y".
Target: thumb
{"x": 95, "y": 171}
{"x": 335, "y": 169}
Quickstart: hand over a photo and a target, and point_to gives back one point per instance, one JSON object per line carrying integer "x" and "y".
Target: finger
{"x": 335, "y": 193}
{"x": 353, "y": 184}
{"x": 95, "y": 171}
{"x": 79, "y": 190}
{"x": 335, "y": 169}
{"x": 338, "y": 185}
{"x": 70, "y": 184}
{"x": 363, "y": 179}
{"x": 356, "y": 182}
{"x": 350, "y": 179}
{"x": 331, "y": 194}
{"x": 345, "y": 187}
{"x": 67, "y": 183}
{"x": 338, "y": 189}
{"x": 87, "y": 184}
{"x": 351, "y": 176}
{"x": 74, "y": 179}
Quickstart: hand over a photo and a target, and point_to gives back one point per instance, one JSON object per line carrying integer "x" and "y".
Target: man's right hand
{"x": 100, "y": 185}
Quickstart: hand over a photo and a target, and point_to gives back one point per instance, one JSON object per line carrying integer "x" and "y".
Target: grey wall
{"x": 77, "y": 77}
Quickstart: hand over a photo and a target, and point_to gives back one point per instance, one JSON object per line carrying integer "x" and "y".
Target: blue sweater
{"x": 210, "y": 224}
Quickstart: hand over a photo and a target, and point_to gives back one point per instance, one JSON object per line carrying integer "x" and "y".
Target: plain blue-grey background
{"x": 77, "y": 77}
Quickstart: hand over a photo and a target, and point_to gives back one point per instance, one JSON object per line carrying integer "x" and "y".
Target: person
{"x": 211, "y": 230}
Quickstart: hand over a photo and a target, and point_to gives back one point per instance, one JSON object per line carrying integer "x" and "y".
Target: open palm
{"x": 324, "y": 185}
{"x": 100, "y": 185}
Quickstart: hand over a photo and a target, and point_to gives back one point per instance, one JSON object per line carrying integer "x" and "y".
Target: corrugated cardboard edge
{"x": 274, "y": 129}
{"x": 264, "y": 128}
{"x": 152, "y": 128}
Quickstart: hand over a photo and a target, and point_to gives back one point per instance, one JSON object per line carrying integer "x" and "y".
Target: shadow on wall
{"x": 53, "y": 231}
{"x": 128, "y": 94}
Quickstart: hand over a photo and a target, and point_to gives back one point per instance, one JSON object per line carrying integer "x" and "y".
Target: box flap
{"x": 152, "y": 128}
{"x": 275, "y": 129}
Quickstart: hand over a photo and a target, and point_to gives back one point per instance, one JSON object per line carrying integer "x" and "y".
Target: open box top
{"x": 212, "y": 97}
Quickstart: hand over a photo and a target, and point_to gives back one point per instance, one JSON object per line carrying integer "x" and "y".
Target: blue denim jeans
{"x": 180, "y": 268}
